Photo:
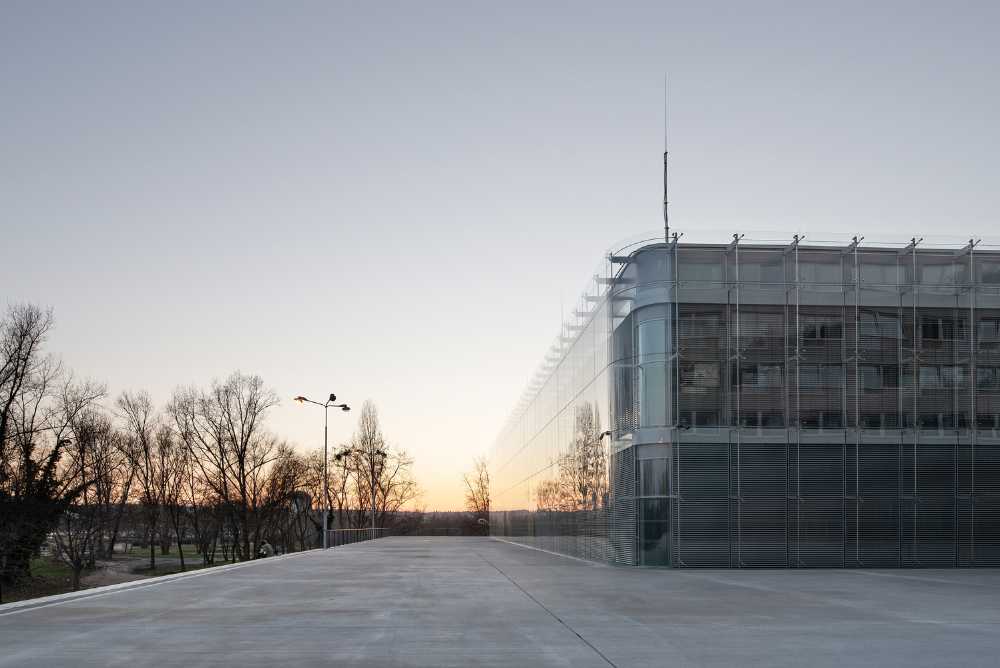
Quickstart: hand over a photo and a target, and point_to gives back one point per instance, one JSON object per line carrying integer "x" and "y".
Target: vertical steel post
{"x": 326, "y": 482}
{"x": 916, "y": 395}
{"x": 798, "y": 411}
{"x": 974, "y": 413}
{"x": 857, "y": 412}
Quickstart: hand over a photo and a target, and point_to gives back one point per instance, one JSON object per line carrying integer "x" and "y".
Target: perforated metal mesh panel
{"x": 623, "y": 510}
{"x": 821, "y": 406}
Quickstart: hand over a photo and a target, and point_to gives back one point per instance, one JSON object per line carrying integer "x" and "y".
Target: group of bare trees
{"x": 581, "y": 483}
{"x": 81, "y": 471}
{"x": 42, "y": 473}
{"x": 367, "y": 473}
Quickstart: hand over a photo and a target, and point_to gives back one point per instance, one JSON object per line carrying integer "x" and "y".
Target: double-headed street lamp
{"x": 330, "y": 403}
{"x": 375, "y": 454}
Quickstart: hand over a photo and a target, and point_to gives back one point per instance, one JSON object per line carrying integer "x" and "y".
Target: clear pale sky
{"x": 392, "y": 201}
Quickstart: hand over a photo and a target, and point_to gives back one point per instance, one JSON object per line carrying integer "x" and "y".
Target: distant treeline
{"x": 81, "y": 471}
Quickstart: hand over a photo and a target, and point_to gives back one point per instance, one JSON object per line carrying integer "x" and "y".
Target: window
{"x": 762, "y": 419}
{"x": 930, "y": 377}
{"x": 820, "y": 273}
{"x": 930, "y": 328}
{"x": 654, "y": 532}
{"x": 701, "y": 271}
{"x": 871, "y": 378}
{"x": 772, "y": 420}
{"x": 760, "y": 376}
{"x": 652, "y": 339}
{"x": 879, "y": 421}
{"x": 988, "y": 329}
{"x": 879, "y": 325}
{"x": 989, "y": 272}
{"x": 653, "y": 477}
{"x": 954, "y": 420}
{"x": 988, "y": 378}
{"x": 987, "y": 422}
{"x": 624, "y": 340}
{"x": 770, "y": 271}
{"x": 941, "y": 274}
{"x": 940, "y": 421}
{"x": 707, "y": 418}
{"x": 822, "y": 327}
{"x": 699, "y": 376}
{"x": 936, "y": 328}
{"x": 652, "y": 394}
{"x": 941, "y": 377}
{"x": 820, "y": 376}
{"x": 953, "y": 376}
{"x": 879, "y": 377}
{"x": 879, "y": 274}
{"x": 761, "y": 324}
{"x": 701, "y": 325}
{"x": 821, "y": 420}
{"x": 871, "y": 420}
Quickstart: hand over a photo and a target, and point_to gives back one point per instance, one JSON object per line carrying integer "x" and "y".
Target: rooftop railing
{"x": 338, "y": 537}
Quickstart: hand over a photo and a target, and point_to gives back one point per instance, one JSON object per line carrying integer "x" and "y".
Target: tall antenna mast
{"x": 666, "y": 215}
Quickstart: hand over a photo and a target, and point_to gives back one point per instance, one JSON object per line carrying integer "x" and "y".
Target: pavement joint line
{"x": 587, "y": 562}
{"x": 903, "y": 576}
{"x": 542, "y": 606}
{"x": 18, "y": 607}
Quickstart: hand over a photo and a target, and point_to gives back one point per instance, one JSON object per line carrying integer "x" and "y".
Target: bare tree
{"x": 477, "y": 495}
{"x": 113, "y": 476}
{"x": 205, "y": 512}
{"x": 371, "y": 464}
{"x": 22, "y": 334}
{"x": 71, "y": 475}
{"x": 583, "y": 470}
{"x": 286, "y": 508}
{"x": 174, "y": 462}
{"x": 200, "y": 425}
{"x": 78, "y": 532}
{"x": 548, "y": 495}
{"x": 312, "y": 485}
{"x": 582, "y": 483}
{"x": 37, "y": 407}
{"x": 224, "y": 428}
{"x": 142, "y": 449}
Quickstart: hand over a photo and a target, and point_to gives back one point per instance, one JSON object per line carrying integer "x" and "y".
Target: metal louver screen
{"x": 623, "y": 511}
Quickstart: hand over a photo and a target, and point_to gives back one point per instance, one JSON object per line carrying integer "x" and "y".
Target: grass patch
{"x": 48, "y": 576}
{"x": 50, "y": 569}
{"x": 171, "y": 569}
{"x": 190, "y": 552}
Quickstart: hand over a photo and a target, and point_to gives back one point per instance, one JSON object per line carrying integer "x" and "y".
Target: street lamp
{"x": 375, "y": 452}
{"x": 326, "y": 480}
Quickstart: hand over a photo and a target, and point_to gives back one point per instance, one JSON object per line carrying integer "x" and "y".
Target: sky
{"x": 397, "y": 201}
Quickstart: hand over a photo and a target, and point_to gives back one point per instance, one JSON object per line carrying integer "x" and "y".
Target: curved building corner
{"x": 763, "y": 405}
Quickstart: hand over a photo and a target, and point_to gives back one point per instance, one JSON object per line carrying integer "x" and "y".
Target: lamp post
{"x": 326, "y": 480}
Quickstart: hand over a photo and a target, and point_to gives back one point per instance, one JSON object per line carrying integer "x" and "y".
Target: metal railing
{"x": 337, "y": 537}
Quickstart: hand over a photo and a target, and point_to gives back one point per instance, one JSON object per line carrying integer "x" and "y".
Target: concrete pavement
{"x": 412, "y": 601}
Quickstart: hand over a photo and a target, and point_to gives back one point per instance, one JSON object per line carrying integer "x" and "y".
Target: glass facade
{"x": 550, "y": 467}
{"x": 766, "y": 405}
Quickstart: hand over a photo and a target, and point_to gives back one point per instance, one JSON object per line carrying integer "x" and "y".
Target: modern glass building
{"x": 770, "y": 405}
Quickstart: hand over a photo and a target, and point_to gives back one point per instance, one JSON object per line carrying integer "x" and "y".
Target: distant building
{"x": 784, "y": 405}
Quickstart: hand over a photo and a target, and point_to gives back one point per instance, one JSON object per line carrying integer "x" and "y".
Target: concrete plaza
{"x": 412, "y": 601}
